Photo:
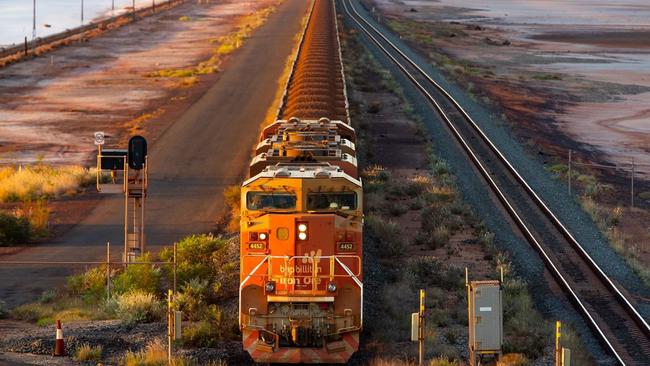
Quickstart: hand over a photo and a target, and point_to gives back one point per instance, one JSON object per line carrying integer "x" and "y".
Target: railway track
{"x": 614, "y": 320}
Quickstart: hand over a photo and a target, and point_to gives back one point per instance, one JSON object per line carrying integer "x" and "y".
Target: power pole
{"x": 569, "y": 172}
{"x": 632, "y": 185}
{"x": 34, "y": 21}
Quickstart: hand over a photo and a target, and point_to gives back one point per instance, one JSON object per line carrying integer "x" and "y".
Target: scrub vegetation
{"x": 38, "y": 181}
{"x": 207, "y": 275}
{"x": 399, "y": 260}
{"x": 599, "y": 201}
{"x": 24, "y": 195}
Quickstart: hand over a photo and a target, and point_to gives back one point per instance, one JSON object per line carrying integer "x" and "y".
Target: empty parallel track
{"x": 616, "y": 323}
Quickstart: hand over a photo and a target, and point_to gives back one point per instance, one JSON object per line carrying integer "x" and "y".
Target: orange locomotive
{"x": 301, "y": 289}
{"x": 301, "y": 228}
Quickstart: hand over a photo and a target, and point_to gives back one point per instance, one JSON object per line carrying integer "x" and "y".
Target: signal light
{"x": 302, "y": 227}
{"x": 302, "y": 236}
{"x": 254, "y": 236}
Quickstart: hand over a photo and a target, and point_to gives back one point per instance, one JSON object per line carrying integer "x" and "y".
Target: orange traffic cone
{"x": 59, "y": 347}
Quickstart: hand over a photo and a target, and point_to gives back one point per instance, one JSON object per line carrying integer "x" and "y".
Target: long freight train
{"x": 301, "y": 289}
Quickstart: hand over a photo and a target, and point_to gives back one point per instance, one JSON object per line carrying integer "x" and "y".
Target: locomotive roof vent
{"x": 320, "y": 173}
{"x": 324, "y": 120}
{"x": 294, "y": 120}
{"x": 282, "y": 172}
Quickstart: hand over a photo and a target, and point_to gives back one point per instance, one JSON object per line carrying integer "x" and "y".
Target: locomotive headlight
{"x": 270, "y": 286}
{"x": 302, "y": 228}
{"x": 331, "y": 287}
{"x": 302, "y": 236}
{"x": 263, "y": 236}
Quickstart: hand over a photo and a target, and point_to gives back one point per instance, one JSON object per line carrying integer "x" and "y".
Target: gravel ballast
{"x": 532, "y": 168}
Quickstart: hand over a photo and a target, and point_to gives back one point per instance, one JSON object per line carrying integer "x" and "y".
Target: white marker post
{"x": 100, "y": 138}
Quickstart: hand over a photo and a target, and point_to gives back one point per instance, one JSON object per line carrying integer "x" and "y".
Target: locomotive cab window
{"x": 270, "y": 201}
{"x": 331, "y": 201}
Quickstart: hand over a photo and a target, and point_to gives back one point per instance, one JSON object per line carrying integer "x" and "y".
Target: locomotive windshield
{"x": 331, "y": 201}
{"x": 270, "y": 201}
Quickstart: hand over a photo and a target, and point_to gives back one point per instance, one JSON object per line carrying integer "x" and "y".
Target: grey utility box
{"x": 485, "y": 317}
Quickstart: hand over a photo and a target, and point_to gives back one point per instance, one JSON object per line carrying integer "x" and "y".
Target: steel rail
{"x": 606, "y": 281}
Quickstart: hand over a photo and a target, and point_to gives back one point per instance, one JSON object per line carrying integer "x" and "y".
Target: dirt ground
{"x": 583, "y": 72}
{"x": 51, "y": 105}
{"x": 564, "y": 76}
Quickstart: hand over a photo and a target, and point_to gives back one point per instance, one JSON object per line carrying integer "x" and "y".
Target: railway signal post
{"x": 133, "y": 183}
{"x": 417, "y": 328}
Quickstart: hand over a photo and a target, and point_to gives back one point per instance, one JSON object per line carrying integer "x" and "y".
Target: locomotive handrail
{"x": 289, "y": 258}
{"x": 333, "y": 259}
{"x": 248, "y": 276}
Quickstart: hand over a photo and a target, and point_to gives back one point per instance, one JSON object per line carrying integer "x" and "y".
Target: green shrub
{"x": 386, "y": 234}
{"x": 14, "y": 230}
{"x": 525, "y": 330}
{"x": 395, "y": 209}
{"x": 47, "y": 296}
{"x": 90, "y": 285}
{"x": 431, "y": 271}
{"x": 440, "y": 168}
{"x": 452, "y": 336}
{"x": 206, "y": 257}
{"x": 440, "y": 237}
{"x": 201, "y": 334}
{"x": 27, "y": 312}
{"x": 144, "y": 277}
{"x": 645, "y": 195}
{"x": 138, "y": 306}
{"x": 4, "y": 311}
{"x": 191, "y": 299}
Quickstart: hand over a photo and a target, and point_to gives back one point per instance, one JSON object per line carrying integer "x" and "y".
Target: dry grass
{"x": 389, "y": 362}
{"x": 25, "y": 183}
{"x": 227, "y": 44}
{"x": 513, "y": 359}
{"x": 88, "y": 353}
{"x": 232, "y": 199}
{"x": 607, "y": 220}
{"x": 38, "y": 215}
{"x": 135, "y": 125}
{"x": 64, "y": 308}
{"x": 154, "y": 354}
